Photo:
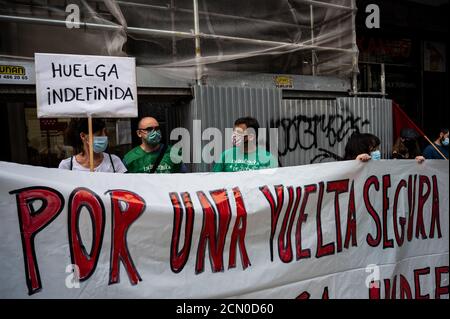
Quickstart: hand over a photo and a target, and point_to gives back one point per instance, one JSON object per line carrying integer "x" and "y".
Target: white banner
{"x": 84, "y": 85}
{"x": 332, "y": 230}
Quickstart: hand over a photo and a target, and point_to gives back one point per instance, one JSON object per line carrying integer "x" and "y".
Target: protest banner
{"x": 333, "y": 230}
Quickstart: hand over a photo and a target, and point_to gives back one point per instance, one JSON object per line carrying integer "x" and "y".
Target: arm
{"x": 363, "y": 157}
{"x": 273, "y": 162}
{"x": 428, "y": 152}
{"x": 219, "y": 166}
{"x": 125, "y": 163}
{"x": 118, "y": 165}
{"x": 420, "y": 159}
{"x": 179, "y": 166}
{"x": 64, "y": 164}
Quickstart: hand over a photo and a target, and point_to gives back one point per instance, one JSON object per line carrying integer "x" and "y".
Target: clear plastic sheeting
{"x": 192, "y": 39}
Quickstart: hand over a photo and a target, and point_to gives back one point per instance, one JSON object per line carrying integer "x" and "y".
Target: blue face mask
{"x": 375, "y": 155}
{"x": 154, "y": 137}
{"x": 445, "y": 141}
{"x": 100, "y": 143}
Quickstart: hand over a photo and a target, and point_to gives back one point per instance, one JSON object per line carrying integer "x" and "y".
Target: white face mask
{"x": 100, "y": 143}
{"x": 445, "y": 141}
{"x": 237, "y": 139}
{"x": 375, "y": 155}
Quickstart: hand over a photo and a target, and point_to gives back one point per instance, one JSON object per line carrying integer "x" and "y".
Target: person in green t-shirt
{"x": 142, "y": 158}
{"x": 245, "y": 155}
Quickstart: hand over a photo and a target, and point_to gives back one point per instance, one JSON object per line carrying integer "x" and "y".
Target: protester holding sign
{"x": 245, "y": 155}
{"x": 152, "y": 156}
{"x": 78, "y": 137}
{"x": 87, "y": 86}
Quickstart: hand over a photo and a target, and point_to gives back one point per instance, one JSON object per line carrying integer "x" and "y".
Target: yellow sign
{"x": 12, "y": 69}
{"x": 284, "y": 82}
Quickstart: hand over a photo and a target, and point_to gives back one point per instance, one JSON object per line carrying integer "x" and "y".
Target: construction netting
{"x": 191, "y": 39}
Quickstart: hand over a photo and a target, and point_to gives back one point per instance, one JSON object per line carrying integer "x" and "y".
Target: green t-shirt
{"x": 139, "y": 161}
{"x": 234, "y": 160}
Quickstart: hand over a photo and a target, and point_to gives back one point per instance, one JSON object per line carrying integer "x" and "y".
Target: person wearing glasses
{"x": 152, "y": 156}
{"x": 245, "y": 155}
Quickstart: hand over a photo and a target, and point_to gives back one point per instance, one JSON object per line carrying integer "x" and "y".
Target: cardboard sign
{"x": 84, "y": 86}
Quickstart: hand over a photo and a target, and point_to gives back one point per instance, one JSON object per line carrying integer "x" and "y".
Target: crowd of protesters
{"x": 153, "y": 156}
{"x": 365, "y": 147}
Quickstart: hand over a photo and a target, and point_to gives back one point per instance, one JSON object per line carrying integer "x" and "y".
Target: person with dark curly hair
{"x": 78, "y": 137}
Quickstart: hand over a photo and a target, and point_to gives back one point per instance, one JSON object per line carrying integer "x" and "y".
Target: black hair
{"x": 409, "y": 133}
{"x": 78, "y": 126}
{"x": 360, "y": 143}
{"x": 250, "y": 122}
{"x": 443, "y": 130}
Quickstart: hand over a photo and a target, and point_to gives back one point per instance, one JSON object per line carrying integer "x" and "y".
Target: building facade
{"x": 290, "y": 64}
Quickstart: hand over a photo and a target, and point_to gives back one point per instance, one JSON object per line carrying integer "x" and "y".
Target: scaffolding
{"x": 192, "y": 39}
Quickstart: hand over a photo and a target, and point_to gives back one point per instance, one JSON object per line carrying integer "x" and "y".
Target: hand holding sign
{"x": 85, "y": 86}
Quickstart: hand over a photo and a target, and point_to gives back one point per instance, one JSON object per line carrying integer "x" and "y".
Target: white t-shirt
{"x": 105, "y": 165}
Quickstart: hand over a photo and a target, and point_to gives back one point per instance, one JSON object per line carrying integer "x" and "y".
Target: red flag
{"x": 402, "y": 120}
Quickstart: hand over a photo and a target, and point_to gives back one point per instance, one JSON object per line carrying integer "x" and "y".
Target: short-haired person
{"x": 441, "y": 143}
{"x": 152, "y": 156}
{"x": 78, "y": 138}
{"x": 245, "y": 155}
